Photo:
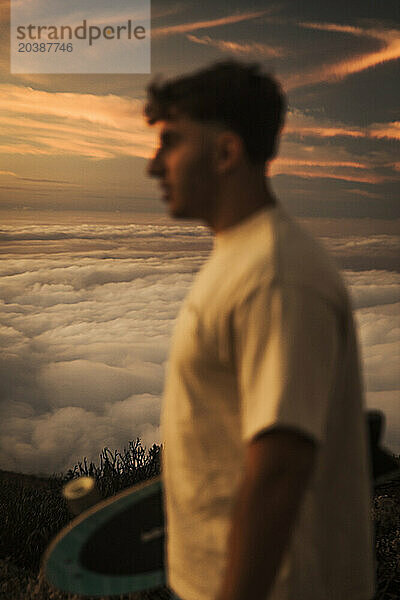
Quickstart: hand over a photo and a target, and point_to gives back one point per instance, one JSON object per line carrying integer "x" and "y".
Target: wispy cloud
{"x": 321, "y": 163}
{"x": 385, "y": 130}
{"x": 388, "y": 40}
{"x": 161, "y": 12}
{"x": 364, "y": 193}
{"x": 355, "y": 172}
{"x": 315, "y": 173}
{"x": 35, "y": 179}
{"x": 94, "y": 126}
{"x": 325, "y": 132}
{"x": 304, "y": 155}
{"x": 193, "y": 26}
{"x": 239, "y": 48}
{"x": 315, "y": 126}
{"x": 105, "y": 110}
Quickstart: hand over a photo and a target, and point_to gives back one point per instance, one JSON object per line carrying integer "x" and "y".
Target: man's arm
{"x": 278, "y": 465}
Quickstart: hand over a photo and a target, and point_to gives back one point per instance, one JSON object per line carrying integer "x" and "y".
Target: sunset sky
{"x": 79, "y": 141}
{"x": 93, "y": 272}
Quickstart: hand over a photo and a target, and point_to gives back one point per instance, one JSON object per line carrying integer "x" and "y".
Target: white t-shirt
{"x": 265, "y": 338}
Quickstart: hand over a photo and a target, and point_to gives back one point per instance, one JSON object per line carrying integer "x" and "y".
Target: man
{"x": 265, "y": 466}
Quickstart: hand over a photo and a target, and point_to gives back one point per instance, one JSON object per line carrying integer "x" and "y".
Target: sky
{"x": 79, "y": 141}
{"x": 93, "y": 272}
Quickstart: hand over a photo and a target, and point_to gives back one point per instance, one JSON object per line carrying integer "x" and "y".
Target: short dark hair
{"x": 232, "y": 93}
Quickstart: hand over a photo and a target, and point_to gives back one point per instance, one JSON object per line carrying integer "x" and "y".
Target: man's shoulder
{"x": 302, "y": 261}
{"x": 278, "y": 249}
{"x": 268, "y": 248}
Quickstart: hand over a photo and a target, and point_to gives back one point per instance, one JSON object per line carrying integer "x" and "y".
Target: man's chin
{"x": 178, "y": 212}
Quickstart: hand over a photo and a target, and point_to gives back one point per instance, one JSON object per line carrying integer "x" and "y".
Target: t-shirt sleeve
{"x": 287, "y": 340}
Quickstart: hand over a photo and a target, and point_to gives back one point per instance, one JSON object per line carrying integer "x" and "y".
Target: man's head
{"x": 212, "y": 122}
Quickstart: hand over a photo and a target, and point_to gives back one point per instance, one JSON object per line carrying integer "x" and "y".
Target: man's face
{"x": 184, "y": 165}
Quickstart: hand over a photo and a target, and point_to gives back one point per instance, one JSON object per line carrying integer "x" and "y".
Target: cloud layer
{"x": 84, "y": 340}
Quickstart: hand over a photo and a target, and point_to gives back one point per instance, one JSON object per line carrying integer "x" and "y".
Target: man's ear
{"x": 229, "y": 151}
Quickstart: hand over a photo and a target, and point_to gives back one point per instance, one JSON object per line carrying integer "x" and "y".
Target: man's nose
{"x": 155, "y": 166}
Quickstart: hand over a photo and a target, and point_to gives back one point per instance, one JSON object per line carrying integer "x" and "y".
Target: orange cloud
{"x": 330, "y": 162}
{"x": 106, "y": 110}
{"x": 389, "y": 41}
{"x": 41, "y": 181}
{"x": 308, "y": 125}
{"x": 325, "y": 132}
{"x": 8, "y": 173}
{"x": 22, "y": 148}
{"x": 186, "y": 27}
{"x": 364, "y": 193}
{"x": 385, "y": 130}
{"x": 239, "y": 48}
{"x": 321, "y": 163}
{"x": 88, "y": 125}
{"x": 334, "y": 27}
{"x": 321, "y": 174}
{"x": 100, "y": 135}
{"x": 390, "y": 131}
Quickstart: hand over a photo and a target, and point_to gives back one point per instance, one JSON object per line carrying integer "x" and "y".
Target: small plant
{"x": 117, "y": 470}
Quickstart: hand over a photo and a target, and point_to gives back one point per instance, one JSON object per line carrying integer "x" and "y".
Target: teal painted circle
{"x": 64, "y": 571}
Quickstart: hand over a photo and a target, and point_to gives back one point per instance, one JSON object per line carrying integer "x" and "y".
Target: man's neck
{"x": 241, "y": 202}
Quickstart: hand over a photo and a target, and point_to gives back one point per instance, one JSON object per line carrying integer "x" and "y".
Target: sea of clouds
{"x": 87, "y": 313}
